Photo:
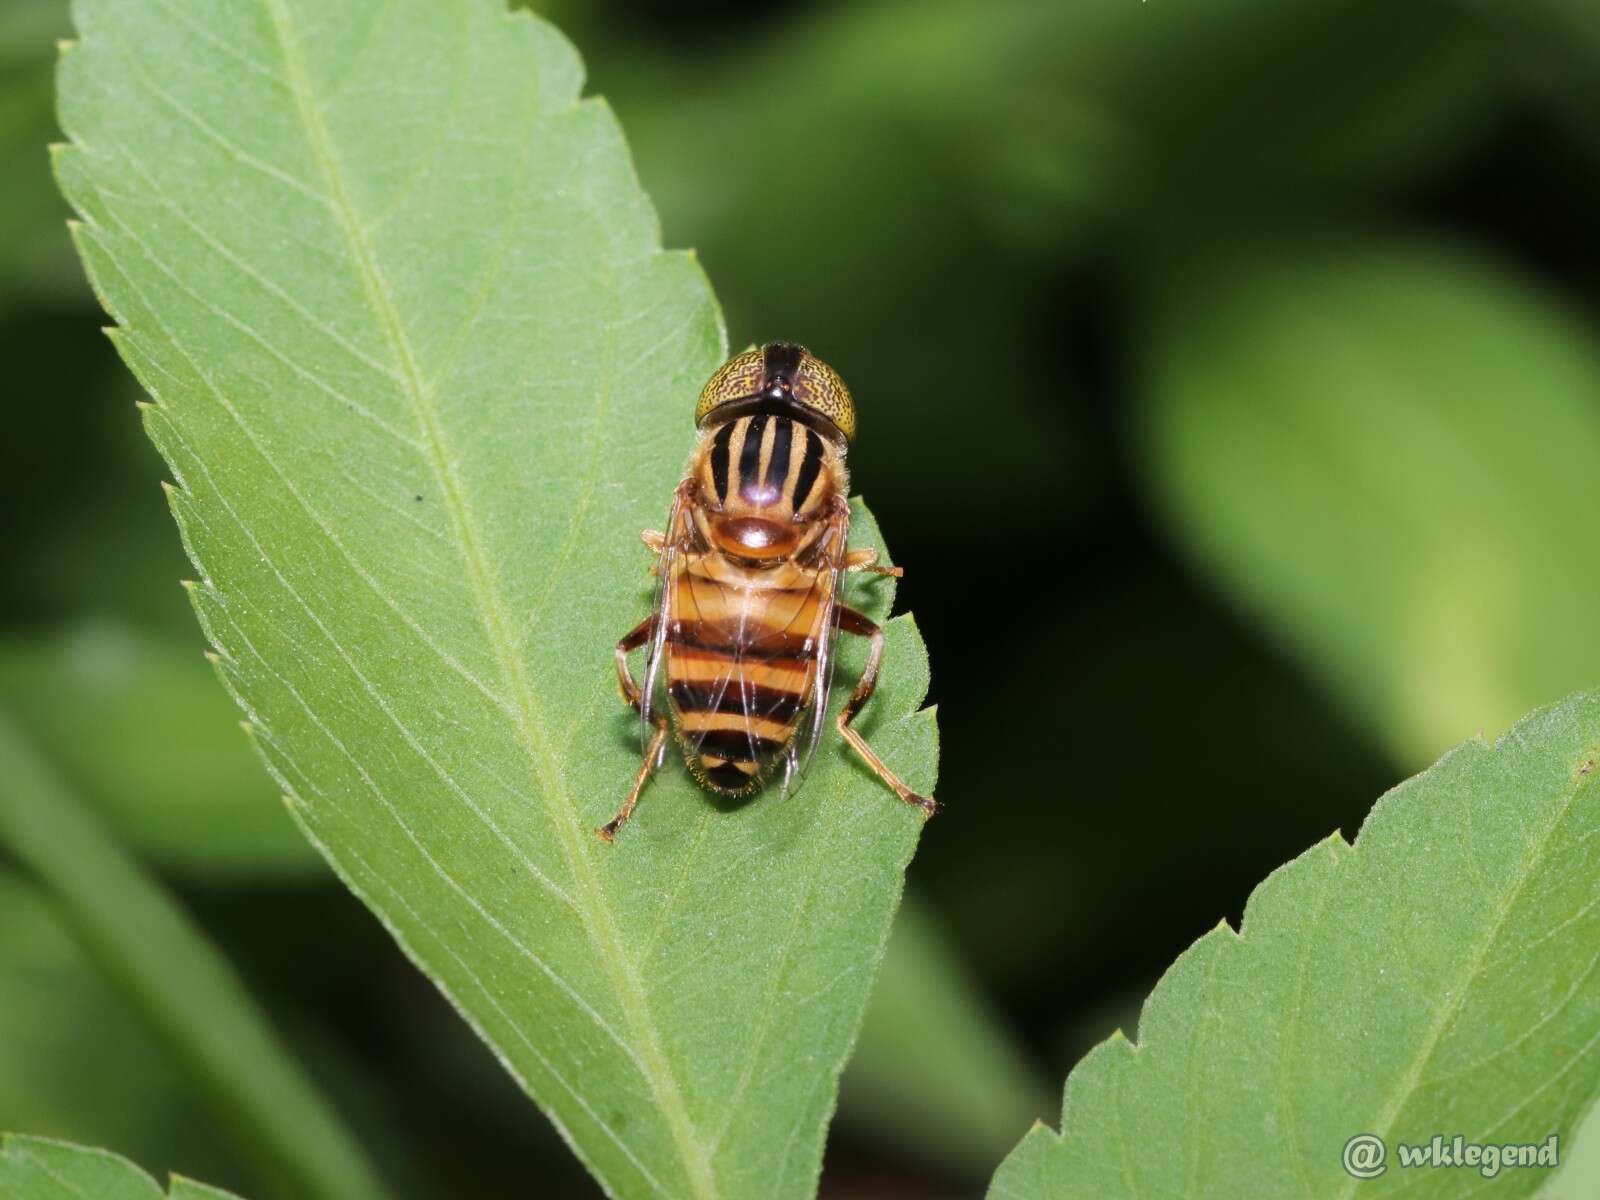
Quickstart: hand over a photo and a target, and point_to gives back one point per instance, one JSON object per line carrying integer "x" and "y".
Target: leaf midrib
{"x": 595, "y": 912}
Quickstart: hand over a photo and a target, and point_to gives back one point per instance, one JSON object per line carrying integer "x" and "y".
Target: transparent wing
{"x": 814, "y": 719}
{"x": 652, "y": 697}
{"x": 750, "y": 665}
{"x": 727, "y": 656}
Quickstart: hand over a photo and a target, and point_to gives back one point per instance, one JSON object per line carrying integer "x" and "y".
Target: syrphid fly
{"x": 739, "y": 649}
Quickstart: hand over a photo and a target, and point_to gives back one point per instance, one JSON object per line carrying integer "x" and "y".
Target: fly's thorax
{"x": 764, "y": 482}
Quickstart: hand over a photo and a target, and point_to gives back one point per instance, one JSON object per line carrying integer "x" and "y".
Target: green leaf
{"x": 77, "y": 1062}
{"x": 1435, "y": 977}
{"x": 936, "y": 1070}
{"x": 1388, "y": 454}
{"x": 1579, "y": 1174}
{"x": 136, "y": 725}
{"x": 33, "y": 1168}
{"x": 143, "y": 942}
{"x": 422, "y": 373}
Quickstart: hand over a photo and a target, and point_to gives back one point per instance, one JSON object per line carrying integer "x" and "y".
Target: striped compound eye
{"x": 779, "y": 378}
{"x": 737, "y": 379}
{"x": 819, "y": 388}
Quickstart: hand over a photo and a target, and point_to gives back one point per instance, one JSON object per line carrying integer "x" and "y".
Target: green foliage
{"x": 1432, "y": 978}
{"x": 421, "y": 373}
{"x": 78, "y": 1061}
{"x": 181, "y": 986}
{"x": 34, "y": 1168}
{"x": 936, "y": 150}
{"x": 935, "y": 1071}
{"x": 1579, "y": 1174}
{"x": 103, "y": 701}
{"x": 1389, "y": 455}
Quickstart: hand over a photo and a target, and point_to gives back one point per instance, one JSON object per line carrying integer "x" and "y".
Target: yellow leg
{"x": 657, "y": 541}
{"x": 866, "y": 559}
{"x": 632, "y": 640}
{"x": 635, "y": 637}
{"x": 652, "y": 756}
{"x": 857, "y": 623}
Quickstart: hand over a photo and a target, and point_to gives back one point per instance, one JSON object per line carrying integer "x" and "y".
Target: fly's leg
{"x": 657, "y": 541}
{"x": 866, "y": 559}
{"x": 861, "y": 625}
{"x": 652, "y": 756}
{"x": 636, "y": 637}
{"x": 632, "y": 640}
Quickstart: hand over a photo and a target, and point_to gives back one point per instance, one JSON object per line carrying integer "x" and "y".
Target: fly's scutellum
{"x": 740, "y": 645}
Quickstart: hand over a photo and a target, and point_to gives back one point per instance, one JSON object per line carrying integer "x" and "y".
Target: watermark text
{"x": 1367, "y": 1156}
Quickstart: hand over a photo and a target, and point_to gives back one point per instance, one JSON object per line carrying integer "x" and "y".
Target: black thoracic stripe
{"x": 719, "y": 461}
{"x": 750, "y": 456}
{"x": 810, "y": 467}
{"x": 735, "y": 745}
{"x": 778, "y": 464}
{"x": 775, "y": 704}
{"x": 779, "y": 364}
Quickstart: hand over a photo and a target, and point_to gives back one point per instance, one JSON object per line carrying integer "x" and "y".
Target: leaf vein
{"x": 1448, "y": 1012}
{"x": 599, "y": 918}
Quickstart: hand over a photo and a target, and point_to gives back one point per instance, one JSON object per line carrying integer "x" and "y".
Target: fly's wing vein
{"x": 812, "y": 717}
{"x": 759, "y": 631}
{"x": 666, "y": 563}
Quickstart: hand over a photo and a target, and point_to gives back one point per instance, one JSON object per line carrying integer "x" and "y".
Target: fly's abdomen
{"x": 741, "y": 662}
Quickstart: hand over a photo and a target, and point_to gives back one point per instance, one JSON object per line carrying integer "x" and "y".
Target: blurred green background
{"x": 1230, "y": 391}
